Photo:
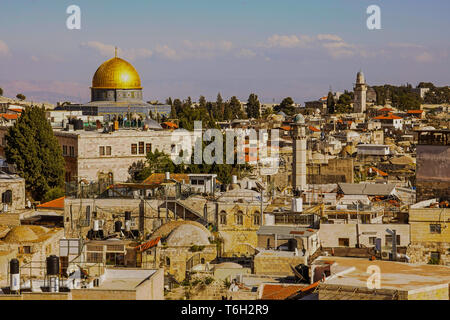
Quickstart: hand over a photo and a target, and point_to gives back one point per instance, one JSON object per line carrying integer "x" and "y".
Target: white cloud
{"x": 287, "y": 41}
{"x": 246, "y": 53}
{"x": 4, "y": 49}
{"x": 330, "y": 37}
{"x": 167, "y": 52}
{"x": 108, "y": 50}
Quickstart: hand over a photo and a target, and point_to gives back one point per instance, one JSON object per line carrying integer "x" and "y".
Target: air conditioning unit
{"x": 386, "y": 254}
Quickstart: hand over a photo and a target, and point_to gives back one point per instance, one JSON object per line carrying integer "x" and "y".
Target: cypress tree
{"x": 33, "y": 148}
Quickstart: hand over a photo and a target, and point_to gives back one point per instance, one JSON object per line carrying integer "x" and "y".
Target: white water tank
{"x": 234, "y": 179}
{"x": 167, "y": 175}
{"x": 96, "y": 225}
{"x": 297, "y": 205}
{"x": 269, "y": 219}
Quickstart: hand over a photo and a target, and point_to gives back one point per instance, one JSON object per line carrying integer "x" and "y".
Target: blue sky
{"x": 186, "y": 48}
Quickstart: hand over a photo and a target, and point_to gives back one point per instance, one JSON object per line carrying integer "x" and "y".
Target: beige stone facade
{"x": 90, "y": 155}
{"x": 430, "y": 235}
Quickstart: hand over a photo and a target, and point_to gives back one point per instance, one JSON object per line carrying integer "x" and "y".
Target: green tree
{"x": 330, "y": 103}
{"x": 286, "y": 106}
{"x": 253, "y": 106}
{"x": 235, "y": 108}
{"x": 33, "y": 148}
{"x": 202, "y": 102}
{"x": 344, "y": 102}
{"x": 1, "y": 91}
{"x": 21, "y": 97}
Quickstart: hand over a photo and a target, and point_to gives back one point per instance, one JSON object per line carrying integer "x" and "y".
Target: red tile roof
{"x": 285, "y": 128}
{"x": 282, "y": 291}
{"x": 171, "y": 124}
{"x": 148, "y": 245}
{"x": 313, "y": 129}
{"x": 385, "y": 109}
{"x": 415, "y": 111}
{"x": 387, "y": 117}
{"x": 378, "y": 171}
{"x": 9, "y": 116}
{"x": 54, "y": 204}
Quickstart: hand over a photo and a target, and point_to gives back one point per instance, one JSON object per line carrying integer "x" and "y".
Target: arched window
{"x": 7, "y": 197}
{"x": 202, "y": 260}
{"x": 256, "y": 218}
{"x": 223, "y": 217}
{"x": 240, "y": 218}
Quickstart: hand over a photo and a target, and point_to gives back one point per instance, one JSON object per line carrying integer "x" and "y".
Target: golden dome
{"x": 116, "y": 73}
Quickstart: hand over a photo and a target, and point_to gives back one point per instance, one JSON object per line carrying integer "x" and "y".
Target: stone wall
{"x": 276, "y": 263}
{"x": 17, "y": 186}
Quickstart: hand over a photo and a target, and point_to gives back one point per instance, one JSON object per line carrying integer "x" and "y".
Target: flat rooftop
{"x": 394, "y": 275}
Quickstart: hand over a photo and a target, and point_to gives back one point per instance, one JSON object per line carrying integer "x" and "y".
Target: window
{"x": 148, "y": 148}
{"x": 256, "y": 219}
{"x": 435, "y": 228}
{"x": 141, "y": 147}
{"x": 7, "y": 197}
{"x": 167, "y": 261}
{"x": 26, "y": 249}
{"x": 88, "y": 214}
{"x": 115, "y": 259}
{"x": 344, "y": 242}
{"x": 72, "y": 151}
{"x": 372, "y": 240}
{"x": 389, "y": 240}
{"x": 240, "y": 218}
{"x": 223, "y": 217}
{"x": 108, "y": 150}
{"x": 94, "y": 257}
{"x": 435, "y": 257}
{"x": 173, "y": 148}
{"x": 102, "y": 151}
{"x": 64, "y": 150}
{"x": 134, "y": 148}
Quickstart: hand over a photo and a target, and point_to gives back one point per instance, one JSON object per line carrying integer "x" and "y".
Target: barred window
{"x": 435, "y": 228}
{"x": 94, "y": 257}
{"x": 134, "y": 148}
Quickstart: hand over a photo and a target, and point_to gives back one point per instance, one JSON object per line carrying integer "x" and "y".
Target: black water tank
{"x": 127, "y": 215}
{"x": 117, "y": 226}
{"x": 78, "y": 125}
{"x": 14, "y": 266}
{"x": 52, "y": 265}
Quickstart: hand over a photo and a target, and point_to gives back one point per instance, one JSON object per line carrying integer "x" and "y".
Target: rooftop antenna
{"x": 115, "y": 52}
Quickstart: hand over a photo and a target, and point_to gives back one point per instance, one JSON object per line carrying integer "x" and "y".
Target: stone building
{"x": 180, "y": 246}
{"x": 430, "y": 234}
{"x": 433, "y": 165}
{"x": 360, "y": 90}
{"x": 32, "y": 245}
{"x": 12, "y": 188}
{"x": 238, "y": 218}
{"x": 97, "y": 156}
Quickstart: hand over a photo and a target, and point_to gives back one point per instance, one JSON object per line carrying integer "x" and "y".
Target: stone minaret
{"x": 299, "y": 151}
{"x": 360, "y": 93}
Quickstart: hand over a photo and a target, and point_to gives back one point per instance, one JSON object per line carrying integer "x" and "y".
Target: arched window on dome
{"x": 223, "y": 217}
{"x": 240, "y": 218}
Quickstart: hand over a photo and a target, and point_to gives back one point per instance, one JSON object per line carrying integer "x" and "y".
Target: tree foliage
{"x": 21, "y": 97}
{"x": 253, "y": 106}
{"x": 401, "y": 97}
{"x": 286, "y": 106}
{"x": 33, "y": 148}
